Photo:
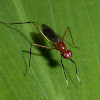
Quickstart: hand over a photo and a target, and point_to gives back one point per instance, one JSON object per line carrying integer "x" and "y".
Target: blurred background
{"x": 45, "y": 79}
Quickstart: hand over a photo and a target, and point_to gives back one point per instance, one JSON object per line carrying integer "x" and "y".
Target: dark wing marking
{"x": 49, "y": 33}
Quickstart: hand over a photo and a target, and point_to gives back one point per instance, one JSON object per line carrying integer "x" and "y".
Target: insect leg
{"x": 34, "y": 25}
{"x": 42, "y": 46}
{"x": 70, "y": 35}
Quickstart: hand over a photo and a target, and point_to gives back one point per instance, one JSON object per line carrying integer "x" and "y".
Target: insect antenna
{"x": 76, "y": 70}
{"x": 64, "y": 71}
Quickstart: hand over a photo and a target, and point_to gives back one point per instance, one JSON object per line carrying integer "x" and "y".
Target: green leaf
{"x": 45, "y": 79}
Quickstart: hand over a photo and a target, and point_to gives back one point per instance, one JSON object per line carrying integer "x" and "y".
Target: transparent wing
{"x": 49, "y": 33}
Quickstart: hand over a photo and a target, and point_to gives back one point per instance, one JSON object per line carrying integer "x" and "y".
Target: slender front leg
{"x": 42, "y": 46}
{"x": 64, "y": 71}
{"x": 70, "y": 35}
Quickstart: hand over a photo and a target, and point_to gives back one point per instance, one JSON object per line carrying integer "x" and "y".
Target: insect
{"x": 57, "y": 43}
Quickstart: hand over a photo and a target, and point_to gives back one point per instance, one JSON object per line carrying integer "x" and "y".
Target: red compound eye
{"x": 67, "y": 54}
